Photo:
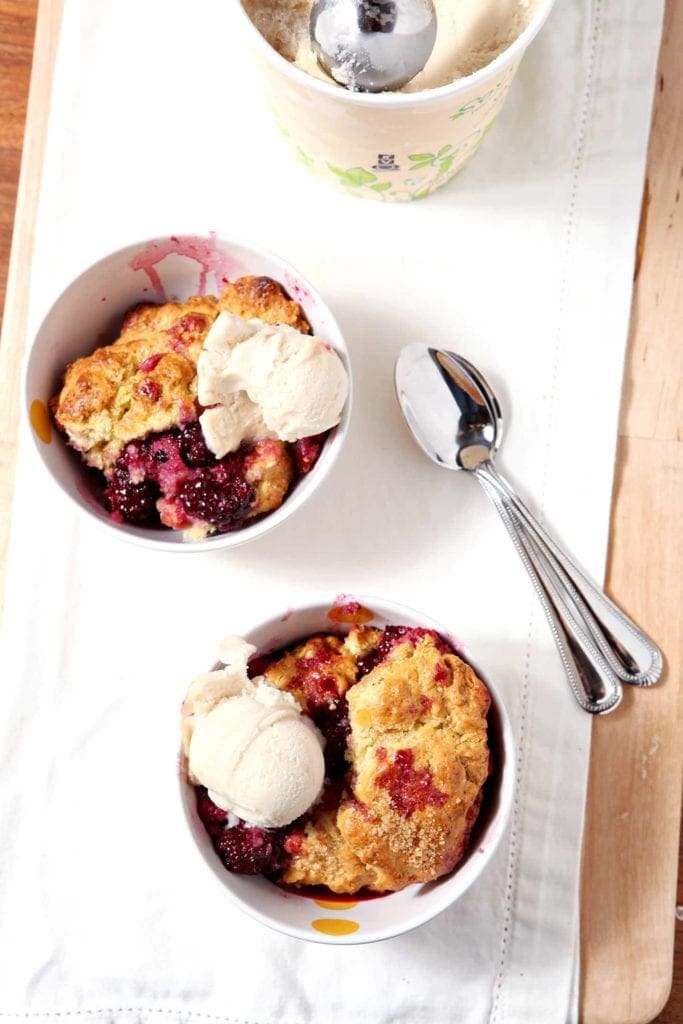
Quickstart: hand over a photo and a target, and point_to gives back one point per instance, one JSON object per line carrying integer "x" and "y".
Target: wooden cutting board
{"x": 632, "y": 826}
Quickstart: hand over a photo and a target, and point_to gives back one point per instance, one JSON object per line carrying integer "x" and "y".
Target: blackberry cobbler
{"x": 404, "y": 727}
{"x": 134, "y": 411}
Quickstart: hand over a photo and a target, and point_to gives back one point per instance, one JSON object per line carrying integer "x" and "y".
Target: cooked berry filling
{"x": 213, "y": 818}
{"x": 333, "y": 723}
{"x": 391, "y": 637}
{"x": 177, "y": 466}
{"x": 315, "y": 678}
{"x": 224, "y": 504}
{"x": 249, "y": 850}
{"x": 193, "y": 446}
{"x": 306, "y": 452}
{"x": 409, "y": 789}
{"x": 173, "y": 479}
{"x": 134, "y": 502}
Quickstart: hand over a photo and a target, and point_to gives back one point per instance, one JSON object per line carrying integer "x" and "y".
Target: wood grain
{"x": 634, "y": 798}
{"x": 17, "y": 26}
{"x": 633, "y": 813}
{"x": 18, "y": 20}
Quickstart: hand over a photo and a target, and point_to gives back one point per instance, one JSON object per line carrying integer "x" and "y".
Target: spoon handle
{"x": 595, "y": 687}
{"x": 629, "y": 652}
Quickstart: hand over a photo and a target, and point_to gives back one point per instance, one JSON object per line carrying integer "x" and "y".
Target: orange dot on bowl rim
{"x": 335, "y": 926}
{"x": 40, "y": 420}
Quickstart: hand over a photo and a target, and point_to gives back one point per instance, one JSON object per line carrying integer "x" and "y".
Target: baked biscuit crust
{"x": 268, "y": 468}
{"x": 263, "y": 298}
{"x": 417, "y": 756}
{"x": 146, "y": 381}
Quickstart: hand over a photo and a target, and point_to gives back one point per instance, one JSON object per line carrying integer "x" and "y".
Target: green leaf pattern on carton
{"x": 354, "y": 177}
{"x": 442, "y": 160}
{"x": 281, "y": 127}
{"x": 359, "y": 181}
{"x": 304, "y": 158}
{"x": 492, "y": 95}
{"x": 439, "y": 167}
{"x": 487, "y": 128}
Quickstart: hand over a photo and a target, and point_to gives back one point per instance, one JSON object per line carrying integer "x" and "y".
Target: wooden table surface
{"x": 633, "y": 816}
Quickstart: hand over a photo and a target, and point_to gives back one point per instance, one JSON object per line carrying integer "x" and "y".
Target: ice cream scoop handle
{"x": 595, "y": 687}
{"x": 629, "y": 652}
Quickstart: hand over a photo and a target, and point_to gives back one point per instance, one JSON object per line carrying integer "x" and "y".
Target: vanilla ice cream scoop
{"x": 259, "y": 757}
{"x": 298, "y": 381}
{"x": 249, "y": 744}
{"x": 264, "y": 380}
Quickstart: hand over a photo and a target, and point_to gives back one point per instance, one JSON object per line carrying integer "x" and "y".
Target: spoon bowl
{"x": 491, "y": 400}
{"x": 445, "y": 408}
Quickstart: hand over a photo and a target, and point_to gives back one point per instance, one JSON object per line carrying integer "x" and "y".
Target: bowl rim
{"x": 400, "y": 99}
{"x": 295, "y": 499}
{"x": 320, "y": 602}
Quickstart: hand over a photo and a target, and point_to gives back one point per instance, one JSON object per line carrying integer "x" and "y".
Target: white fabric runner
{"x": 525, "y": 265}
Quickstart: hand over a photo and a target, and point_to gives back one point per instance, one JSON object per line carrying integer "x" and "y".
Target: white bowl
{"x": 89, "y": 313}
{"x": 349, "y": 920}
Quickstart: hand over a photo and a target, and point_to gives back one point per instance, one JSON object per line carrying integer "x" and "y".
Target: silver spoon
{"x": 456, "y": 419}
{"x": 641, "y": 665}
{"x": 373, "y": 45}
{"x": 450, "y": 420}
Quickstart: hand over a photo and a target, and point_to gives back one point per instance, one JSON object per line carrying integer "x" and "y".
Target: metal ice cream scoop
{"x": 373, "y": 45}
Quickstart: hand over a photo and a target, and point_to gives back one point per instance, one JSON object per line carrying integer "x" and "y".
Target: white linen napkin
{"x": 524, "y": 264}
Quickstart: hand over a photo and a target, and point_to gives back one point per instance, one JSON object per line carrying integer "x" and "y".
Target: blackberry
{"x": 251, "y": 851}
{"x": 306, "y": 452}
{"x": 223, "y": 506}
{"x": 333, "y": 723}
{"x": 134, "y": 502}
{"x": 193, "y": 446}
{"x": 213, "y": 818}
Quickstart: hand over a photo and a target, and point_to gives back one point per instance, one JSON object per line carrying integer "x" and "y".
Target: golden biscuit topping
{"x": 146, "y": 380}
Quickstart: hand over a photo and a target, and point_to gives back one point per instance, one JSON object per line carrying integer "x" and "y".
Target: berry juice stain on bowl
{"x": 401, "y": 808}
{"x": 178, "y": 437}
{"x": 328, "y": 900}
{"x": 205, "y": 252}
{"x": 298, "y": 291}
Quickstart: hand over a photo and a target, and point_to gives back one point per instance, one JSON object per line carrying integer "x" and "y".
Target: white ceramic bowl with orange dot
{"x": 89, "y": 313}
{"x": 352, "y": 920}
